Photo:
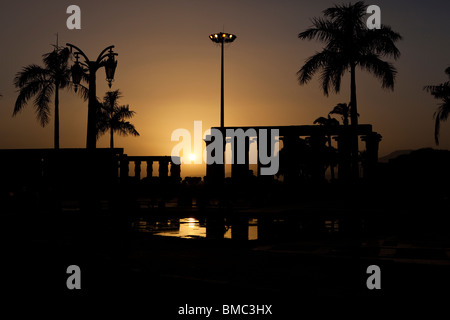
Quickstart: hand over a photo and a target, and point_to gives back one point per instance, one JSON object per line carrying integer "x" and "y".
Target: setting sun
{"x": 302, "y": 151}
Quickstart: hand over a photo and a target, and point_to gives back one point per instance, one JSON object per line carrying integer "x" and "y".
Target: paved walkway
{"x": 389, "y": 249}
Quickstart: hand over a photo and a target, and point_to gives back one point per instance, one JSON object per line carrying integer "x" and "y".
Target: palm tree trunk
{"x": 354, "y": 123}
{"x": 111, "y": 141}
{"x": 345, "y": 120}
{"x": 56, "y": 134}
{"x": 331, "y": 162}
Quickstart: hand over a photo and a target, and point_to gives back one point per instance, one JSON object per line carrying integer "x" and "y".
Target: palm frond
{"x": 312, "y": 65}
{"x": 326, "y": 79}
{"x": 65, "y": 79}
{"x": 102, "y": 118}
{"x": 447, "y": 71}
{"x": 333, "y": 72}
{"x": 383, "y": 70}
{"x": 127, "y": 129}
{"x": 42, "y": 102}
{"x": 322, "y": 30}
{"x": 347, "y": 16}
{"x": 320, "y": 120}
{"x": 341, "y": 109}
{"x": 111, "y": 116}
{"x": 440, "y": 91}
{"x": 437, "y": 127}
{"x": 381, "y": 41}
{"x": 329, "y": 122}
{"x": 348, "y": 42}
{"x": 57, "y": 60}
{"x": 30, "y": 73}
{"x": 124, "y": 112}
{"x": 27, "y": 91}
{"x": 82, "y": 90}
{"x": 441, "y": 115}
{"x": 111, "y": 99}
{"x": 40, "y": 82}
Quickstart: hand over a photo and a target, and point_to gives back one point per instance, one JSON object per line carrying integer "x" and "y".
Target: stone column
{"x": 317, "y": 142}
{"x": 149, "y": 169}
{"x": 215, "y": 227}
{"x": 215, "y": 172}
{"x": 268, "y": 150}
{"x": 175, "y": 172}
{"x": 290, "y": 158}
{"x": 124, "y": 168}
{"x": 240, "y": 172}
{"x": 163, "y": 169}
{"x": 137, "y": 170}
{"x": 371, "y": 159}
{"x": 239, "y": 227}
{"x": 343, "y": 141}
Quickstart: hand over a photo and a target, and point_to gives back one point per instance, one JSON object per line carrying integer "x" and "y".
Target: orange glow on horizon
{"x": 170, "y": 84}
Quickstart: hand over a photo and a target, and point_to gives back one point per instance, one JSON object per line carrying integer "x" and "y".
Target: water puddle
{"x": 191, "y": 228}
{"x": 238, "y": 228}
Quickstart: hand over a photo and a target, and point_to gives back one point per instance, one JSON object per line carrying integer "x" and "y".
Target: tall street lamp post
{"x": 104, "y": 59}
{"x": 222, "y": 38}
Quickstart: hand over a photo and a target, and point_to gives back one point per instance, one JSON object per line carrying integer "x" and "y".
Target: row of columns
{"x": 268, "y": 228}
{"x": 175, "y": 169}
{"x": 293, "y": 146}
{"x": 216, "y": 172}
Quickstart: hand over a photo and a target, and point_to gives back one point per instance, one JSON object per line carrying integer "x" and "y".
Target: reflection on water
{"x": 332, "y": 225}
{"x": 181, "y": 228}
{"x": 252, "y": 229}
{"x": 237, "y": 227}
{"x": 185, "y": 228}
{"x": 191, "y": 228}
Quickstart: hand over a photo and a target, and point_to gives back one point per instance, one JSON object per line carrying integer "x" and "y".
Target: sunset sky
{"x": 169, "y": 70}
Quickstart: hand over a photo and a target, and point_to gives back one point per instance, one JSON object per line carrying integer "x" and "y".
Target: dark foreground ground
{"x": 169, "y": 273}
{"x": 401, "y": 228}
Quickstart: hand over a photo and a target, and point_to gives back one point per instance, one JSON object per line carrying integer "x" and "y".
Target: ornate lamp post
{"x": 104, "y": 59}
{"x": 222, "y": 38}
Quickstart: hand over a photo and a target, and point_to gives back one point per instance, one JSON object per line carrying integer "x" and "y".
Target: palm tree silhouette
{"x": 349, "y": 43}
{"x": 440, "y": 92}
{"x": 41, "y": 82}
{"x": 343, "y": 110}
{"x": 328, "y": 123}
{"x": 112, "y": 117}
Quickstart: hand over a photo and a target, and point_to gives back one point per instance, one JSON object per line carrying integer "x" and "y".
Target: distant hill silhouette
{"x": 426, "y": 167}
{"x": 394, "y": 155}
{"x": 417, "y": 175}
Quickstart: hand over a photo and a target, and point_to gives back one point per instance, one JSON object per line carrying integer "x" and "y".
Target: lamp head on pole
{"x": 110, "y": 67}
{"x": 77, "y": 72}
{"x": 222, "y": 37}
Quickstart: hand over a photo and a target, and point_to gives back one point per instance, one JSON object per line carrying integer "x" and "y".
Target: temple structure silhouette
{"x": 292, "y": 137}
{"x": 76, "y": 168}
